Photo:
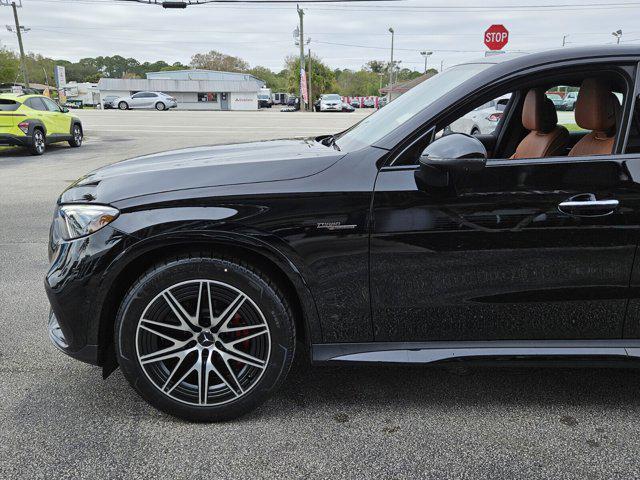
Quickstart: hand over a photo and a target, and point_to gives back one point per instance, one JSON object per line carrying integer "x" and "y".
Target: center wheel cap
{"x": 205, "y": 338}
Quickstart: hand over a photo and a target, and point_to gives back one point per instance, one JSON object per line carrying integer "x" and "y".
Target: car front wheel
{"x": 160, "y": 106}
{"x": 205, "y": 339}
{"x": 76, "y": 136}
{"x": 123, "y": 106}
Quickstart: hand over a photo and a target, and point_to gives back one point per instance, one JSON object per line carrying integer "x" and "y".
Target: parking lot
{"x": 59, "y": 419}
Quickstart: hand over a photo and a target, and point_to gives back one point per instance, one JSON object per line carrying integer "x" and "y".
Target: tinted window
{"x": 51, "y": 105}
{"x": 137, "y": 95}
{"x": 8, "y": 105}
{"x": 36, "y": 103}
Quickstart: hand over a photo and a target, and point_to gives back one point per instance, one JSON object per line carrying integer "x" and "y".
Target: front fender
{"x": 265, "y": 246}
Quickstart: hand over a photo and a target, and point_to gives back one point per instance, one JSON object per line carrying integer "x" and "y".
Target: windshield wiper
{"x": 330, "y": 141}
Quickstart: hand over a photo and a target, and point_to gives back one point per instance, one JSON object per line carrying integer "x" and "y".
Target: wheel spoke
{"x": 225, "y": 317}
{"x": 186, "y": 320}
{"x": 203, "y": 380}
{"x": 166, "y": 353}
{"x": 243, "y": 339}
{"x": 181, "y": 357}
{"x": 235, "y": 389}
{"x": 149, "y": 325}
{"x": 195, "y": 367}
{"x": 242, "y": 357}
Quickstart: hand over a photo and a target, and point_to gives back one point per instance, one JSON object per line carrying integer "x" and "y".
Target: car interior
{"x": 530, "y": 126}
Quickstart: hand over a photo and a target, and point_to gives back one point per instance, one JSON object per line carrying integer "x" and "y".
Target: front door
{"x": 499, "y": 257}
{"x": 60, "y": 123}
{"x": 224, "y": 101}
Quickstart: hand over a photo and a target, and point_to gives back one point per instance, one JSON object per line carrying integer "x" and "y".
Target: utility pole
{"x": 391, "y": 64}
{"x": 301, "y": 41}
{"x": 23, "y": 61}
{"x": 618, "y": 35}
{"x": 441, "y": 65}
{"x": 425, "y": 54}
{"x": 564, "y": 40}
{"x": 309, "y": 80}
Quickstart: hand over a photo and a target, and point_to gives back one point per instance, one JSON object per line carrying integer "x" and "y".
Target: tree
{"x": 9, "y": 66}
{"x": 277, "y": 82}
{"x": 377, "y": 66}
{"x": 322, "y": 77}
{"x": 214, "y": 60}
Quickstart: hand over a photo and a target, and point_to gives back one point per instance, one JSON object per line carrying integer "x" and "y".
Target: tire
{"x": 123, "y": 105}
{"x": 174, "y": 385}
{"x": 38, "y": 143}
{"x": 475, "y": 131}
{"x": 160, "y": 106}
{"x": 76, "y": 136}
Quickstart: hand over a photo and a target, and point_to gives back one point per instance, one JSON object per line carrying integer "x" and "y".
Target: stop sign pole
{"x": 496, "y": 37}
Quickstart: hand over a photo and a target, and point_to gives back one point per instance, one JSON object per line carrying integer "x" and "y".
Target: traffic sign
{"x": 496, "y": 37}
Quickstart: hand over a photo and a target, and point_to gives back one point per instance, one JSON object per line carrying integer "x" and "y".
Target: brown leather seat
{"x": 597, "y": 109}
{"x": 546, "y": 138}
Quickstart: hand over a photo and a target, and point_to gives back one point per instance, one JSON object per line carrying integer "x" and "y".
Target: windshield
{"x": 394, "y": 114}
{"x": 332, "y": 97}
{"x": 263, "y": 97}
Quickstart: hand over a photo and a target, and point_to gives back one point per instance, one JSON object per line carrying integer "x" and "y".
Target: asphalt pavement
{"x": 59, "y": 419}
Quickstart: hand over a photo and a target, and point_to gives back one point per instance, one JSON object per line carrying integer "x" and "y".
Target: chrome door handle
{"x": 587, "y": 206}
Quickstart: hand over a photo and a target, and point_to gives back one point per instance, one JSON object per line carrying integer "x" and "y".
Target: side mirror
{"x": 455, "y": 153}
{"x": 64, "y": 109}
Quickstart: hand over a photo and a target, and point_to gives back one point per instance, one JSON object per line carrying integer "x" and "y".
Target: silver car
{"x": 157, "y": 100}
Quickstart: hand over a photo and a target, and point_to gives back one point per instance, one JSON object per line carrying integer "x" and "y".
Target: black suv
{"x": 202, "y": 272}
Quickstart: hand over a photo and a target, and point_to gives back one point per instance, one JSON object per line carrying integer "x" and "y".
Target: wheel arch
{"x": 288, "y": 279}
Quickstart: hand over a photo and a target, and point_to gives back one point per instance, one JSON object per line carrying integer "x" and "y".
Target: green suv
{"x": 34, "y": 121}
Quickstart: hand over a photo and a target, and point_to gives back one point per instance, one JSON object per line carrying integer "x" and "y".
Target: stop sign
{"x": 496, "y": 37}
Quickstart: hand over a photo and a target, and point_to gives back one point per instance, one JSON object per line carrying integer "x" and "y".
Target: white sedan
{"x": 148, "y": 100}
{"x": 483, "y": 119}
{"x": 331, "y": 102}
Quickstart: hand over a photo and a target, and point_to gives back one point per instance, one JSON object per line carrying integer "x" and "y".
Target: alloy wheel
{"x": 38, "y": 141}
{"x": 203, "y": 342}
{"x": 77, "y": 135}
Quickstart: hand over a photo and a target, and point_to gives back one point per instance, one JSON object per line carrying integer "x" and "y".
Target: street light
{"x": 391, "y": 65}
{"x": 426, "y": 56}
{"x": 617, "y": 34}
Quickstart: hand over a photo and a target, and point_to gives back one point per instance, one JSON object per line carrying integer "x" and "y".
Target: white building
{"x": 194, "y": 89}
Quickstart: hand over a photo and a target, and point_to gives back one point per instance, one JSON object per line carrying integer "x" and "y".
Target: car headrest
{"x": 596, "y": 107}
{"x": 538, "y": 112}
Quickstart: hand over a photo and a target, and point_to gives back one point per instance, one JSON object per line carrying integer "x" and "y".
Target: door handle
{"x": 586, "y": 205}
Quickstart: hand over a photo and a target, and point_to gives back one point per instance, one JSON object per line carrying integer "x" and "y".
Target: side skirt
{"x": 428, "y": 352}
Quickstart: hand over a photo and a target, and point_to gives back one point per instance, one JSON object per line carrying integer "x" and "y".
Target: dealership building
{"x": 194, "y": 89}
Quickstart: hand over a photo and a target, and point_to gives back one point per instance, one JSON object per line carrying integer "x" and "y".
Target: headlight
{"x": 76, "y": 221}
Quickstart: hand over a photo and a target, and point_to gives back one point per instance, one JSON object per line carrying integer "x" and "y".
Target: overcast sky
{"x": 262, "y": 34}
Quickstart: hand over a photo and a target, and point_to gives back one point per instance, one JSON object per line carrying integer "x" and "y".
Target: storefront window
{"x": 207, "y": 97}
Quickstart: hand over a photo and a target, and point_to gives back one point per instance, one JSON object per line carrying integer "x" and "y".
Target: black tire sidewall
{"x": 276, "y": 313}
{"x": 162, "y": 106}
{"x": 73, "y": 142}
{"x": 126, "y": 106}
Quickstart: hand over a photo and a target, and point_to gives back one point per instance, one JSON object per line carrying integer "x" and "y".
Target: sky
{"x": 343, "y": 35}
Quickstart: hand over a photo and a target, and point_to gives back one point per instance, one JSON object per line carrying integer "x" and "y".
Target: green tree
{"x": 215, "y": 60}
{"x": 322, "y": 77}
{"x": 9, "y": 66}
{"x": 277, "y": 82}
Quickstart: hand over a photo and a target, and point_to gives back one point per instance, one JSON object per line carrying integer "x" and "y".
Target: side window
{"x": 51, "y": 105}
{"x": 138, "y": 95}
{"x": 151, "y": 95}
{"x": 36, "y": 103}
{"x": 481, "y": 120}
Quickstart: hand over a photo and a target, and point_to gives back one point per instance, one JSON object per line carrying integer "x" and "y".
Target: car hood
{"x": 202, "y": 167}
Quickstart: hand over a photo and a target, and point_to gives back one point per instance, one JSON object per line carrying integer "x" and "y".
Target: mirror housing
{"x": 64, "y": 109}
{"x": 454, "y": 153}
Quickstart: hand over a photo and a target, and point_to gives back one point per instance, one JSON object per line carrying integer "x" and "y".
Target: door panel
{"x": 493, "y": 258}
